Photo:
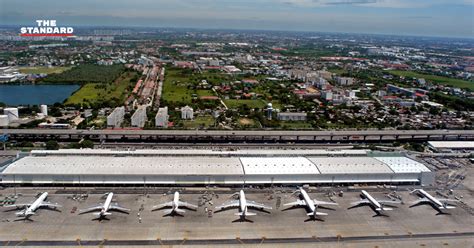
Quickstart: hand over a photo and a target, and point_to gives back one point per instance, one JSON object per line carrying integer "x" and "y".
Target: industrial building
{"x": 209, "y": 167}
{"x": 115, "y": 118}
{"x": 449, "y": 146}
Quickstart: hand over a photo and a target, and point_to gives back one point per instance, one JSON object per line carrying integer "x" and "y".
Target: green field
{"x": 87, "y": 73}
{"x": 43, "y": 69}
{"x": 179, "y": 85}
{"x": 199, "y": 122}
{"x": 338, "y": 71}
{"x": 436, "y": 79}
{"x": 112, "y": 94}
{"x": 175, "y": 86}
{"x": 235, "y": 103}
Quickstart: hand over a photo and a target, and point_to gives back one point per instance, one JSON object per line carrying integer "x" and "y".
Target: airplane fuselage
{"x": 175, "y": 200}
{"x": 431, "y": 198}
{"x": 243, "y": 202}
{"x": 107, "y": 203}
{"x": 372, "y": 200}
{"x": 32, "y": 208}
{"x": 308, "y": 200}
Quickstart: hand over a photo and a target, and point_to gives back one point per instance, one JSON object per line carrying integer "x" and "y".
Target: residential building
{"x": 187, "y": 113}
{"x": 115, "y": 119}
{"x": 139, "y": 117}
{"x": 291, "y": 116}
{"x": 161, "y": 118}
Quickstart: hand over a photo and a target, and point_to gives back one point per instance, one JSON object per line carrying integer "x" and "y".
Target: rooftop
{"x": 278, "y": 165}
{"x": 346, "y": 165}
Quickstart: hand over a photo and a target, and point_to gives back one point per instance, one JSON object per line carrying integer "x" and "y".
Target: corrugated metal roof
{"x": 278, "y": 166}
{"x": 348, "y": 165}
{"x": 91, "y": 165}
{"x": 201, "y": 152}
{"x": 403, "y": 164}
{"x": 452, "y": 144}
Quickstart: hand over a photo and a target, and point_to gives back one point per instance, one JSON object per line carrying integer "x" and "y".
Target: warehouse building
{"x": 449, "y": 146}
{"x": 208, "y": 167}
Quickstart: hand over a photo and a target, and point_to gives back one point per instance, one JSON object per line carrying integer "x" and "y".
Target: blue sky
{"x": 450, "y": 18}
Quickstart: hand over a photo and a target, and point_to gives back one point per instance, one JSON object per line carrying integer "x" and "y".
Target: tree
{"x": 87, "y": 144}
{"x": 52, "y": 145}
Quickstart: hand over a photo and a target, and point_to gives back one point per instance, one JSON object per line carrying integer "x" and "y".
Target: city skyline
{"x": 421, "y": 18}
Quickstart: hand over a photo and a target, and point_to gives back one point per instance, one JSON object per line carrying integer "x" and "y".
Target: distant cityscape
{"x": 189, "y": 79}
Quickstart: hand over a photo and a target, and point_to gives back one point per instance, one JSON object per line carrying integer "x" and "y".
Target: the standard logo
{"x": 46, "y": 28}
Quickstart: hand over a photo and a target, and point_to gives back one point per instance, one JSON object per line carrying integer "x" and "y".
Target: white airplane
{"x": 175, "y": 204}
{"x": 243, "y": 204}
{"x": 439, "y": 204}
{"x": 312, "y": 204}
{"x": 105, "y": 207}
{"x": 377, "y": 204}
{"x": 30, "y": 208}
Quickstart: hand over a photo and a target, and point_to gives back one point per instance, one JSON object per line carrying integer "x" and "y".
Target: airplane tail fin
{"x": 168, "y": 211}
{"x": 23, "y": 213}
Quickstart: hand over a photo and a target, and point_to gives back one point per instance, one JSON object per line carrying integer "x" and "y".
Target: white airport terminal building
{"x": 213, "y": 167}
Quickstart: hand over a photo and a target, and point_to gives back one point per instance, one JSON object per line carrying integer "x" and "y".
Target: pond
{"x": 23, "y": 94}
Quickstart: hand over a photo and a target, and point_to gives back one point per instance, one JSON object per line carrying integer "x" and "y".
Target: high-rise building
{"x": 4, "y": 120}
{"x": 115, "y": 118}
{"x": 44, "y": 109}
{"x": 161, "y": 118}
{"x": 12, "y": 114}
{"x": 344, "y": 80}
{"x": 139, "y": 117}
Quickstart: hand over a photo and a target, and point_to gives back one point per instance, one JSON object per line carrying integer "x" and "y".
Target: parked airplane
{"x": 175, "y": 204}
{"x": 312, "y": 204}
{"x": 30, "y": 208}
{"x": 378, "y": 205}
{"x": 438, "y": 203}
{"x": 105, "y": 207}
{"x": 243, "y": 204}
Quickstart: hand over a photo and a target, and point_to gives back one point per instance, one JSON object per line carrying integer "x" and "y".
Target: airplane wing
{"x": 229, "y": 204}
{"x": 365, "y": 201}
{"x": 389, "y": 202}
{"x": 421, "y": 200}
{"x": 115, "y": 206}
{"x": 20, "y": 205}
{"x": 447, "y": 200}
{"x": 90, "y": 209}
{"x": 167, "y": 204}
{"x": 257, "y": 205}
{"x": 188, "y": 205}
{"x": 50, "y": 205}
{"x": 317, "y": 203}
{"x": 296, "y": 203}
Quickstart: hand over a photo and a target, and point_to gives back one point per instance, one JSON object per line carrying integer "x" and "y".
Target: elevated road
{"x": 237, "y": 136}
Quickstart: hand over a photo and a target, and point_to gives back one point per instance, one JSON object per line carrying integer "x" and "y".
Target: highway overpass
{"x": 225, "y": 136}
